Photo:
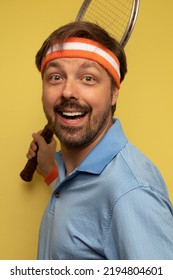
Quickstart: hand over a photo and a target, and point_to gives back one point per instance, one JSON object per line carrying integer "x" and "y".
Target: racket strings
{"x": 112, "y": 15}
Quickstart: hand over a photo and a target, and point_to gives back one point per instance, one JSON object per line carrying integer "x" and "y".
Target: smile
{"x": 73, "y": 115}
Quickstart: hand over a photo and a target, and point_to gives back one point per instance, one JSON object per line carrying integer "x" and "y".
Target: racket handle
{"x": 31, "y": 165}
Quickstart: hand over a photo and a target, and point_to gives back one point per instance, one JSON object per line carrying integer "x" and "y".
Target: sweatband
{"x": 51, "y": 176}
{"x": 75, "y": 47}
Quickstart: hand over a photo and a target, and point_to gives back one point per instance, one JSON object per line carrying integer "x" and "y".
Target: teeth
{"x": 72, "y": 114}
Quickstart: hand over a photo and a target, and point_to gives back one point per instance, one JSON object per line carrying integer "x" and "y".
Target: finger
{"x": 53, "y": 143}
{"x": 39, "y": 140}
{"x": 34, "y": 146}
{"x": 32, "y": 150}
{"x": 31, "y": 153}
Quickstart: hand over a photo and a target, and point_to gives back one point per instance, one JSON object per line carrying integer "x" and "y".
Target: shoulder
{"x": 144, "y": 171}
{"x": 130, "y": 169}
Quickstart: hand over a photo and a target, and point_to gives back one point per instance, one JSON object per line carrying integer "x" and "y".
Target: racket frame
{"x": 130, "y": 25}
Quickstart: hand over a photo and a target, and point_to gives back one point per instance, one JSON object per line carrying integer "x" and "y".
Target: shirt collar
{"x": 109, "y": 146}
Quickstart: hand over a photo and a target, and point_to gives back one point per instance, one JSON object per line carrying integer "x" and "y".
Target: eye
{"x": 55, "y": 77}
{"x": 89, "y": 79}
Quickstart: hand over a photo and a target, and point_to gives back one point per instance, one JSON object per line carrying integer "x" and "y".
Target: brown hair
{"x": 84, "y": 30}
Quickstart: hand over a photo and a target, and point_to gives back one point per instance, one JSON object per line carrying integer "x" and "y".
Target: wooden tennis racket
{"x": 31, "y": 165}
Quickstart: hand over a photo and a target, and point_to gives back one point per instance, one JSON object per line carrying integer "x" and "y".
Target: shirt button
{"x": 57, "y": 194}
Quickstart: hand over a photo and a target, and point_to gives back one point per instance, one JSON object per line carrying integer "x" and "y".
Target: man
{"x": 109, "y": 201}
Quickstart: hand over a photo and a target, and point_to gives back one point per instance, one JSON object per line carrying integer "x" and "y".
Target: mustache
{"x": 71, "y": 105}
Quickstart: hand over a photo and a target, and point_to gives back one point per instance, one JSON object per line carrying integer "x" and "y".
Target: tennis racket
{"x": 31, "y": 165}
{"x": 117, "y": 17}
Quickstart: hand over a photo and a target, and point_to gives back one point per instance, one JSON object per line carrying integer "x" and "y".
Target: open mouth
{"x": 72, "y": 115}
{"x": 71, "y": 112}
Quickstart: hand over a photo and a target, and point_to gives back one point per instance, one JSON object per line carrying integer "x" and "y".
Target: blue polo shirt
{"x": 114, "y": 205}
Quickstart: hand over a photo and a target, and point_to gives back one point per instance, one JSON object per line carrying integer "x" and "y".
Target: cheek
{"x": 102, "y": 100}
{"x": 48, "y": 103}
{"x": 49, "y": 97}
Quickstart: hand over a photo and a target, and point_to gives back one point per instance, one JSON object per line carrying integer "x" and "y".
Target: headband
{"x": 85, "y": 48}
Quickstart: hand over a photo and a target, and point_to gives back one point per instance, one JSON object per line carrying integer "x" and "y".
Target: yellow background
{"x": 144, "y": 105}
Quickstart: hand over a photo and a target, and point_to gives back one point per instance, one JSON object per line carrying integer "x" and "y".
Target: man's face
{"x": 77, "y": 99}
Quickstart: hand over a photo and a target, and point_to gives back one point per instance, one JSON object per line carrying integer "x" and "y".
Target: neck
{"x": 74, "y": 156}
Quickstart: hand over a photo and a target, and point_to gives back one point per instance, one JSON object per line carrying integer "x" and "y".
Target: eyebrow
{"x": 91, "y": 64}
{"x": 53, "y": 64}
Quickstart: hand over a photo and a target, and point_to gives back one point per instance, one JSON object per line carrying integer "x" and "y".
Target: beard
{"x": 80, "y": 136}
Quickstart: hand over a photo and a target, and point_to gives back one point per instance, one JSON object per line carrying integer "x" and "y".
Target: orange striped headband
{"x": 85, "y": 48}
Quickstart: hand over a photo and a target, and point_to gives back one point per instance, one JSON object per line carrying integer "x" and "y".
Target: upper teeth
{"x": 72, "y": 113}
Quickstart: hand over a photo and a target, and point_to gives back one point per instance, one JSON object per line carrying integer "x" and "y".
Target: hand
{"x": 45, "y": 154}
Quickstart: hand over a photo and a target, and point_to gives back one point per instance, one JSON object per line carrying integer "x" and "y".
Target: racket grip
{"x": 31, "y": 165}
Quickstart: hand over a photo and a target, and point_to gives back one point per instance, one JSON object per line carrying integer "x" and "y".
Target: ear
{"x": 115, "y": 93}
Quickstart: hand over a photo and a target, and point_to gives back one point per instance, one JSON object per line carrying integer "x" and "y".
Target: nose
{"x": 70, "y": 89}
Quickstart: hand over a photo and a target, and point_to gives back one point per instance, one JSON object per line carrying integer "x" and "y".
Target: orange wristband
{"x": 51, "y": 176}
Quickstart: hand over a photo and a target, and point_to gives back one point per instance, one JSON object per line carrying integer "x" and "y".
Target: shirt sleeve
{"x": 141, "y": 226}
